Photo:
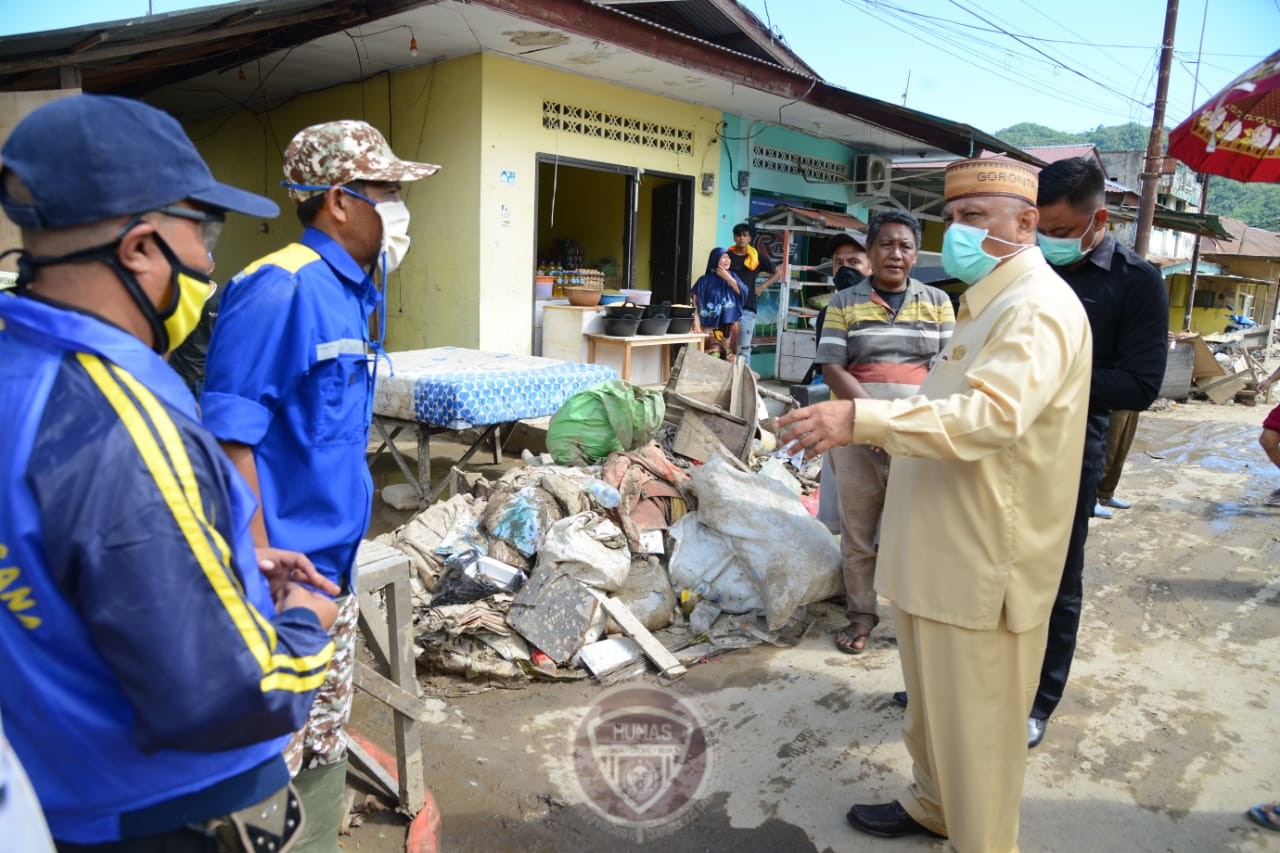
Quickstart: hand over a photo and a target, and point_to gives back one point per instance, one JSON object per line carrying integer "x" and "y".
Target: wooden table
{"x": 631, "y": 342}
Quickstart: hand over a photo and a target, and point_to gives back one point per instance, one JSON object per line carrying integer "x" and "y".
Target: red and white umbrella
{"x": 1236, "y": 133}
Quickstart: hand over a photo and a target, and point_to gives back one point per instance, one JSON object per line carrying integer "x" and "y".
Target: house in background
{"x": 1242, "y": 277}
{"x": 602, "y": 123}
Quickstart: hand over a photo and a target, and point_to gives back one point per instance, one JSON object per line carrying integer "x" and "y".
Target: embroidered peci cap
{"x": 339, "y": 152}
{"x": 990, "y": 176}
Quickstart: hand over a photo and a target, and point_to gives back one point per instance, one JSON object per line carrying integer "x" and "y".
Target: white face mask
{"x": 395, "y": 233}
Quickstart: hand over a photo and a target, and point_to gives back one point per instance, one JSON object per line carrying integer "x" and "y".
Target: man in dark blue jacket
{"x": 150, "y": 672}
{"x": 289, "y": 394}
{"x": 1128, "y": 308}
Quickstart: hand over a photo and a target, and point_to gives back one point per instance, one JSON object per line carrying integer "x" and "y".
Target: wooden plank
{"x": 404, "y": 672}
{"x": 553, "y": 612}
{"x": 366, "y": 764}
{"x": 705, "y": 379}
{"x": 655, "y": 651}
{"x": 389, "y": 693}
{"x": 695, "y": 440}
{"x": 735, "y": 388}
{"x": 378, "y": 564}
{"x": 374, "y": 628}
{"x": 1205, "y": 365}
{"x": 1220, "y": 389}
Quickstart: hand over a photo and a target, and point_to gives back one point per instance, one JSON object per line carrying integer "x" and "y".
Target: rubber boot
{"x": 321, "y": 790}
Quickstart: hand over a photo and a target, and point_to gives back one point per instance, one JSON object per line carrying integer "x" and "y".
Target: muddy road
{"x": 1168, "y": 731}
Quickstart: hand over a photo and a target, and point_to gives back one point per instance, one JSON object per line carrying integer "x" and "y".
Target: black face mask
{"x": 29, "y": 265}
{"x": 847, "y": 277}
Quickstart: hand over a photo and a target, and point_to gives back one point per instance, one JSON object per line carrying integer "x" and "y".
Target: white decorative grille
{"x": 619, "y": 128}
{"x": 791, "y": 163}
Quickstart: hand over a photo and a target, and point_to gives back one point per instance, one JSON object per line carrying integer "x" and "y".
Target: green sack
{"x": 604, "y": 419}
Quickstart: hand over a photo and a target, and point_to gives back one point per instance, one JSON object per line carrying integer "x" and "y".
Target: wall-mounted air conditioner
{"x": 872, "y": 176}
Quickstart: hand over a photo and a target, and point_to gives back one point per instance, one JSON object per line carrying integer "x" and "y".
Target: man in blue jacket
{"x": 289, "y": 395}
{"x": 150, "y": 673}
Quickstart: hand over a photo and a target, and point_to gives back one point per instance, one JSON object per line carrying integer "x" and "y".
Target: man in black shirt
{"x": 1128, "y": 308}
{"x": 746, "y": 262}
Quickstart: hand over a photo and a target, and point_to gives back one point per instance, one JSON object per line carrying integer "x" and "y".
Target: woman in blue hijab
{"x": 717, "y": 297}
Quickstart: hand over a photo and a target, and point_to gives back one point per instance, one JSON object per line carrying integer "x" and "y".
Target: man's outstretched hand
{"x": 280, "y": 567}
{"x": 818, "y": 428}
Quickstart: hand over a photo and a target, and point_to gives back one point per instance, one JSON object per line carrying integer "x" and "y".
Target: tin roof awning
{"x": 808, "y": 218}
{"x": 1204, "y": 224}
{"x": 257, "y": 54}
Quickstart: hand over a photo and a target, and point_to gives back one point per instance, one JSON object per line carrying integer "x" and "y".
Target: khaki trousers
{"x": 1119, "y": 436}
{"x": 862, "y": 475}
{"x": 966, "y": 727}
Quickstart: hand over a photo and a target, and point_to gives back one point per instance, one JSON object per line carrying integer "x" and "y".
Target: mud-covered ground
{"x": 1167, "y": 734}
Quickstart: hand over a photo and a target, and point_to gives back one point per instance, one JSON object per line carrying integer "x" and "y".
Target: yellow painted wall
{"x": 435, "y": 117}
{"x": 512, "y": 136}
{"x": 1211, "y": 314}
{"x": 14, "y": 107}
{"x": 589, "y": 209}
{"x": 467, "y": 280}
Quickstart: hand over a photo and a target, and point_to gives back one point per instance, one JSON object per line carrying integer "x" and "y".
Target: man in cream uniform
{"x": 989, "y": 452}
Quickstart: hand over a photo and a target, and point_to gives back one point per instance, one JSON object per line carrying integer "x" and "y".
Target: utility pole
{"x": 1195, "y": 255}
{"x": 1155, "y": 153}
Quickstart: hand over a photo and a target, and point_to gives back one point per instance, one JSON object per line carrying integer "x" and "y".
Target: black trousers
{"x": 1064, "y": 621}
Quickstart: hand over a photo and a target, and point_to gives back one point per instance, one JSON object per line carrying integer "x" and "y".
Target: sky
{"x": 1072, "y": 66}
{"x": 1068, "y": 65}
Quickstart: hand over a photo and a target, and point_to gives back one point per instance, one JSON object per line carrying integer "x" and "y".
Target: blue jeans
{"x": 746, "y": 330}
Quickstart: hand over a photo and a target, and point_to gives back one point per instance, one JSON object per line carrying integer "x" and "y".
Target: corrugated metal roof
{"x": 714, "y": 21}
{"x": 1249, "y": 241}
{"x": 808, "y": 216}
{"x": 1054, "y": 153}
{"x": 138, "y": 55}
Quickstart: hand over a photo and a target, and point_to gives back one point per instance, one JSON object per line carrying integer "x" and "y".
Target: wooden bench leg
{"x": 404, "y": 673}
{"x": 424, "y": 464}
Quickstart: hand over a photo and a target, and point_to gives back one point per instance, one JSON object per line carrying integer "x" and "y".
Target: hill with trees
{"x": 1256, "y": 204}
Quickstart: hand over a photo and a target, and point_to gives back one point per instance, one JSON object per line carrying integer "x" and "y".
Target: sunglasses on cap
{"x": 210, "y": 223}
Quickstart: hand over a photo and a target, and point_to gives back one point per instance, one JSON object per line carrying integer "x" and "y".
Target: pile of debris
{"x": 1220, "y": 368}
{"x": 660, "y": 556}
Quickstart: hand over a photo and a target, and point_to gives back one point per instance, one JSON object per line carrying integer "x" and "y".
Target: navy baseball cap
{"x": 855, "y": 237}
{"x": 86, "y": 158}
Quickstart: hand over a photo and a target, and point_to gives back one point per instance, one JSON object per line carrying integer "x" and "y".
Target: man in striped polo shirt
{"x": 878, "y": 340}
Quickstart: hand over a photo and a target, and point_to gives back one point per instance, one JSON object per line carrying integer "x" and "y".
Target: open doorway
{"x": 636, "y": 227}
{"x": 584, "y": 217}
{"x": 664, "y": 236}
{"x": 625, "y": 227}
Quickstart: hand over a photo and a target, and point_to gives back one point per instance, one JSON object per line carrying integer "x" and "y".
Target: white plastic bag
{"x": 789, "y": 556}
{"x": 588, "y": 547}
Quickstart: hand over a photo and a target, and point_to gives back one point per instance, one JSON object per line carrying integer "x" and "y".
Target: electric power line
{"x": 952, "y": 43}
{"x": 1019, "y": 39}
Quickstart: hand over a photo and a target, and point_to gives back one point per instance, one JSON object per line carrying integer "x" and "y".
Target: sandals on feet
{"x": 1266, "y": 816}
{"x": 854, "y": 638}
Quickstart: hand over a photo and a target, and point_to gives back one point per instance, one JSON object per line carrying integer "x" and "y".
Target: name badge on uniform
{"x": 342, "y": 346}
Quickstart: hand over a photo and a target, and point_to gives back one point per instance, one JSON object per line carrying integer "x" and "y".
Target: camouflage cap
{"x": 339, "y": 152}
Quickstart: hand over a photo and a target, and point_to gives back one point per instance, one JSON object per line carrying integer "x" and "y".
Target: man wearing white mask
{"x": 289, "y": 395}
{"x": 989, "y": 452}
